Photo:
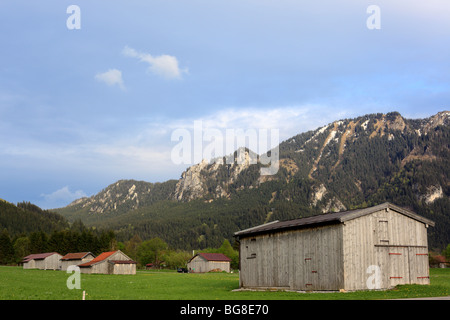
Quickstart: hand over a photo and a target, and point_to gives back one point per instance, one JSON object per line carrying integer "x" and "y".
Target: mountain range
{"x": 347, "y": 164}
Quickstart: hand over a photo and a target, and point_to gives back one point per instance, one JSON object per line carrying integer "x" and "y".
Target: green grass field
{"x": 19, "y": 284}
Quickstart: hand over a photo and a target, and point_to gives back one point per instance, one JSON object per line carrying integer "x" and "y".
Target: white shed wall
{"x": 198, "y": 265}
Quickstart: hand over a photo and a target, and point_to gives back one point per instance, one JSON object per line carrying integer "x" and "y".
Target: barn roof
{"x": 104, "y": 256}
{"x": 328, "y": 218}
{"x": 38, "y": 256}
{"x": 76, "y": 256}
{"x": 98, "y": 259}
{"x": 212, "y": 256}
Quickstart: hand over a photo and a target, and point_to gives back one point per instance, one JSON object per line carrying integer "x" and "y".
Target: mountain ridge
{"x": 346, "y": 164}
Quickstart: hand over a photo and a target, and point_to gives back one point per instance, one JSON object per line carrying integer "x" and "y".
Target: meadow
{"x": 19, "y": 284}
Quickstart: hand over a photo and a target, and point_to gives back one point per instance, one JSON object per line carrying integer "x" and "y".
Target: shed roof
{"x": 98, "y": 259}
{"x": 76, "y": 256}
{"x": 328, "y": 218}
{"x": 38, "y": 256}
{"x": 212, "y": 256}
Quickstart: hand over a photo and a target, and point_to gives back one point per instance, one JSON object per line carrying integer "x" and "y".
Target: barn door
{"x": 311, "y": 274}
{"x": 398, "y": 266}
{"x": 403, "y": 265}
{"x": 249, "y": 265}
{"x": 418, "y": 265}
{"x": 280, "y": 262}
{"x": 382, "y": 258}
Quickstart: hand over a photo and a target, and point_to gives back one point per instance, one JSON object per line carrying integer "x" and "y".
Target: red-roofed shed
{"x": 112, "y": 262}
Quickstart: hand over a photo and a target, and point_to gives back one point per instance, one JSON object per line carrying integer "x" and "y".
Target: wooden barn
{"x": 44, "y": 261}
{"x": 75, "y": 259}
{"x": 373, "y": 248}
{"x": 112, "y": 262}
{"x": 205, "y": 262}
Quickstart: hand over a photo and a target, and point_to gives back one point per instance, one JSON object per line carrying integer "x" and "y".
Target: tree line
{"x": 14, "y": 249}
{"x": 27, "y": 229}
{"x": 154, "y": 252}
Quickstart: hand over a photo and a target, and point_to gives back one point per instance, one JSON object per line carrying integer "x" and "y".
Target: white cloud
{"x": 144, "y": 150}
{"x": 222, "y": 132}
{"x": 61, "y": 197}
{"x": 289, "y": 120}
{"x": 164, "y": 65}
{"x": 111, "y": 77}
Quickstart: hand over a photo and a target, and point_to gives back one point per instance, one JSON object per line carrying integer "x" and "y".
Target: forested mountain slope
{"x": 26, "y": 218}
{"x": 350, "y": 163}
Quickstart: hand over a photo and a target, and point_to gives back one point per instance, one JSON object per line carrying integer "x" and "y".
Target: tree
{"x": 150, "y": 251}
{"x": 57, "y": 243}
{"x": 21, "y": 248}
{"x": 38, "y": 242}
{"x": 131, "y": 246}
{"x": 175, "y": 258}
{"x": 446, "y": 253}
{"x": 228, "y": 250}
{"x": 6, "y": 248}
{"x": 106, "y": 241}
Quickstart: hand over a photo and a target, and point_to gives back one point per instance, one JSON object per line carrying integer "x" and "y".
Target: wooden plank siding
{"x": 200, "y": 264}
{"x": 51, "y": 262}
{"x": 385, "y": 239}
{"x": 337, "y": 251}
{"x": 30, "y": 265}
{"x": 83, "y": 258}
{"x": 113, "y": 262}
{"x": 121, "y": 268}
{"x": 303, "y": 260}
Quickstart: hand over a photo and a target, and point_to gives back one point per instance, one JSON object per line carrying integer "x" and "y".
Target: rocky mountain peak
{"x": 197, "y": 180}
{"x": 439, "y": 119}
{"x": 121, "y": 193}
{"x": 317, "y": 156}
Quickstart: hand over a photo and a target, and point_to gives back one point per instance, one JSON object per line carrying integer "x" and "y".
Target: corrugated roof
{"x": 76, "y": 256}
{"x": 100, "y": 258}
{"x": 328, "y": 218}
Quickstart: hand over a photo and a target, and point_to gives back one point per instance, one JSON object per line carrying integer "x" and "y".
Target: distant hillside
{"x": 25, "y": 218}
{"x": 347, "y": 164}
{"x": 118, "y": 199}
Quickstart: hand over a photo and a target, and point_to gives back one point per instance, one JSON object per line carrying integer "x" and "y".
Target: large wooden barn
{"x": 112, "y": 262}
{"x": 205, "y": 262}
{"x": 373, "y": 248}
{"x": 44, "y": 261}
{"x": 75, "y": 259}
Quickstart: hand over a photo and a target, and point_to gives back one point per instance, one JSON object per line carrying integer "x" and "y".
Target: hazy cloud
{"x": 164, "y": 65}
{"x": 61, "y": 197}
{"x": 111, "y": 77}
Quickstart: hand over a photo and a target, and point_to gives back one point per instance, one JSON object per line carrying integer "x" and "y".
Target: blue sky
{"x": 83, "y": 108}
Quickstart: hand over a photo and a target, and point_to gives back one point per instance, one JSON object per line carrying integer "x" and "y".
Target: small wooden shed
{"x": 205, "y": 262}
{"x": 373, "y": 248}
{"x": 75, "y": 259}
{"x": 112, "y": 262}
{"x": 44, "y": 261}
